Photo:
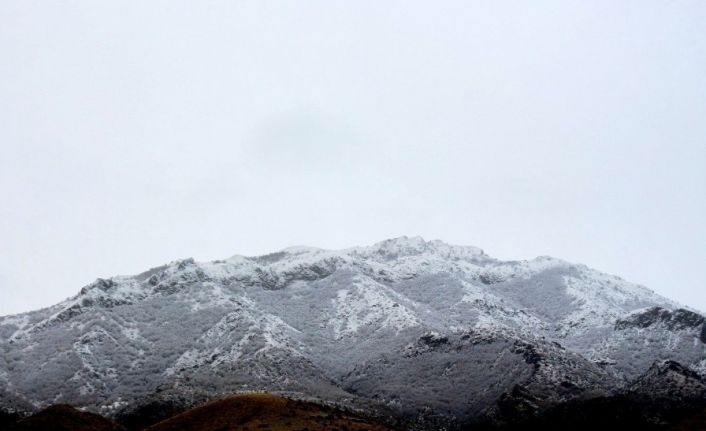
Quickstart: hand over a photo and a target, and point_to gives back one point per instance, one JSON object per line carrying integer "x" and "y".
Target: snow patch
{"x": 369, "y": 304}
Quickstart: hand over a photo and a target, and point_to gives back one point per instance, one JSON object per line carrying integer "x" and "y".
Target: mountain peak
{"x": 300, "y": 249}
{"x": 416, "y": 245}
{"x": 414, "y": 242}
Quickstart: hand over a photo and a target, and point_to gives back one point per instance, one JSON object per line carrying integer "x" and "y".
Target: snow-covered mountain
{"x": 422, "y": 329}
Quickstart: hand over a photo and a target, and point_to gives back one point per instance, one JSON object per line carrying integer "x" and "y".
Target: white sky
{"x": 135, "y": 133}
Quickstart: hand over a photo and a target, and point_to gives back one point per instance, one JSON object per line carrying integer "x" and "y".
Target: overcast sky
{"x": 136, "y": 133}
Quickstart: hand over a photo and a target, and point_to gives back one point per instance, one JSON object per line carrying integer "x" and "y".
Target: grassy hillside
{"x": 265, "y": 412}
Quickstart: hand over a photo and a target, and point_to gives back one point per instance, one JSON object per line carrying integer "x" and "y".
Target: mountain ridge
{"x": 396, "y": 326}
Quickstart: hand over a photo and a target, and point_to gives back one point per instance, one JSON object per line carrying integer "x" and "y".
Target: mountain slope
{"x": 400, "y": 326}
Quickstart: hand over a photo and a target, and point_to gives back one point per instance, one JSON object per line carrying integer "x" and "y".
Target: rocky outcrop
{"x": 672, "y": 319}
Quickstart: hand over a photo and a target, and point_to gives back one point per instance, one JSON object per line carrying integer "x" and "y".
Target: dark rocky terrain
{"x": 62, "y": 417}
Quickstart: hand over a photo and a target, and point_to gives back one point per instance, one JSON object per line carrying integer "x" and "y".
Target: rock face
{"x": 679, "y": 319}
{"x": 439, "y": 334}
{"x": 670, "y": 379}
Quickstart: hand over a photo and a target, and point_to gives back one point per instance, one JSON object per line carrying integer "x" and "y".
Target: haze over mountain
{"x": 426, "y": 332}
